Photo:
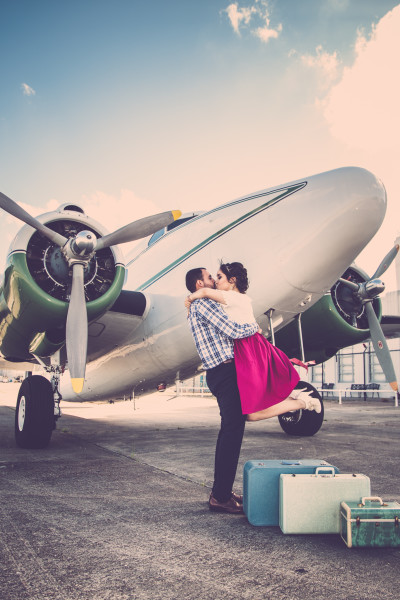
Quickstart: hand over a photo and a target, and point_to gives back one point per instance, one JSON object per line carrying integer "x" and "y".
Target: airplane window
{"x": 155, "y": 236}
{"x": 161, "y": 232}
{"x": 178, "y": 222}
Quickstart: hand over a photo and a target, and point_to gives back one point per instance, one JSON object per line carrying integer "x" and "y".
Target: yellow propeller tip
{"x": 176, "y": 214}
{"x": 394, "y": 385}
{"x": 77, "y": 384}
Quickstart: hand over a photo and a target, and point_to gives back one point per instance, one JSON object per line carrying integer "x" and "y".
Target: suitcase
{"x": 364, "y": 524}
{"x": 261, "y": 486}
{"x": 311, "y": 503}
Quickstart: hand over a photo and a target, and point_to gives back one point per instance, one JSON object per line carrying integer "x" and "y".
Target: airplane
{"x": 69, "y": 302}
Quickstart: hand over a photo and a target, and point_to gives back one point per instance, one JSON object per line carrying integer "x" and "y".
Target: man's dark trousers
{"x": 222, "y": 383}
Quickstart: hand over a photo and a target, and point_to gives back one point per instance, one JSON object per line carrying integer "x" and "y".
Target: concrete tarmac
{"x": 116, "y": 507}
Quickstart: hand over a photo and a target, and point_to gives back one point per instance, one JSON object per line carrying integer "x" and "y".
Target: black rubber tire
{"x": 303, "y": 422}
{"x": 34, "y": 414}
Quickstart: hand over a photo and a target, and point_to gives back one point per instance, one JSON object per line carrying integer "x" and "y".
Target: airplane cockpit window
{"x": 156, "y": 235}
{"x": 161, "y": 232}
{"x": 179, "y": 222}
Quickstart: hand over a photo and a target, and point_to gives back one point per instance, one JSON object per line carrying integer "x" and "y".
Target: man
{"x": 213, "y": 334}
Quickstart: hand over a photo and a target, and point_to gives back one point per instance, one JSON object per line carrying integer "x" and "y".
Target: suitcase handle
{"x": 371, "y": 498}
{"x": 331, "y": 471}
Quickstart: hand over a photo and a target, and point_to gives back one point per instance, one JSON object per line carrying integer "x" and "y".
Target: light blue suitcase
{"x": 261, "y": 486}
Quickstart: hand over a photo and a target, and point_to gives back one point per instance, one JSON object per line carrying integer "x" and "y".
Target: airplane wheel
{"x": 34, "y": 414}
{"x": 303, "y": 422}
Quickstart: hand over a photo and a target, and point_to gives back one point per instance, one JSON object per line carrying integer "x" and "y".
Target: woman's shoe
{"x": 310, "y": 402}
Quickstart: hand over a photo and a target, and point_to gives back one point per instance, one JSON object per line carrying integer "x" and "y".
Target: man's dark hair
{"x": 192, "y": 277}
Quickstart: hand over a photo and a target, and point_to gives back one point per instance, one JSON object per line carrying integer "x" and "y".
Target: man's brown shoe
{"x": 237, "y": 497}
{"x": 231, "y": 506}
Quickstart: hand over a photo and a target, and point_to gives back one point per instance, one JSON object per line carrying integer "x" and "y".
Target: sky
{"x": 130, "y": 108}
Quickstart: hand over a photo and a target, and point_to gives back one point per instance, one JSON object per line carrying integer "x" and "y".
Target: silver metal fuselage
{"x": 295, "y": 240}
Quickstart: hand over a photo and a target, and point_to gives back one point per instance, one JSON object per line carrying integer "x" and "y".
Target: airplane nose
{"x": 329, "y": 223}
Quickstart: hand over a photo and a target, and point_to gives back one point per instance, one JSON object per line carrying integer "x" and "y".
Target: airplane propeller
{"x": 387, "y": 261}
{"x": 77, "y": 252}
{"x": 17, "y": 211}
{"x": 366, "y": 292}
{"x": 138, "y": 229}
{"x": 77, "y": 329}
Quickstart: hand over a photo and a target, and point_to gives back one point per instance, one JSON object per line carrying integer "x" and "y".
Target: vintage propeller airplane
{"x": 68, "y": 301}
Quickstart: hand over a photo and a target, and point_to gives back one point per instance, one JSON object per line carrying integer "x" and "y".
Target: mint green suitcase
{"x": 311, "y": 503}
{"x": 368, "y": 525}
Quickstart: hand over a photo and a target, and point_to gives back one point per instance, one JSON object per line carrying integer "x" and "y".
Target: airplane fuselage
{"x": 295, "y": 241}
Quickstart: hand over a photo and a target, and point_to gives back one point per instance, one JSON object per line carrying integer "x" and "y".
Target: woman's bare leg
{"x": 277, "y": 409}
{"x": 296, "y": 401}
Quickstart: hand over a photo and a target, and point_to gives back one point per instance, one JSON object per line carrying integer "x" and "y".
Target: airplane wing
{"x": 391, "y": 326}
{"x": 117, "y": 325}
{"x": 19, "y": 366}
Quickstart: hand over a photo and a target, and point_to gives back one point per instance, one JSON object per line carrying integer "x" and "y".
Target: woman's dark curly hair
{"x": 237, "y": 270}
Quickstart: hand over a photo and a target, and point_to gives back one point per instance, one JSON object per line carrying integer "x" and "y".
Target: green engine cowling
{"x": 34, "y": 294}
{"x": 336, "y": 321}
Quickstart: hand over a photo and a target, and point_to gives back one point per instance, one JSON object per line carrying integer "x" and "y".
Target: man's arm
{"x": 205, "y": 293}
{"x": 216, "y": 316}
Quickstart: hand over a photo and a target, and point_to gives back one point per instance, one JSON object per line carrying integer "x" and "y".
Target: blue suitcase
{"x": 261, "y": 486}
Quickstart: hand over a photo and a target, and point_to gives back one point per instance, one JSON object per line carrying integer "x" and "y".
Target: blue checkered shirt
{"x": 214, "y": 333}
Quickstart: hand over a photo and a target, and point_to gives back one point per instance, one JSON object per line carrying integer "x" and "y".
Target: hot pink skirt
{"x": 265, "y": 374}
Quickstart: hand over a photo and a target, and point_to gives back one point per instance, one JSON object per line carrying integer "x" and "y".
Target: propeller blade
{"x": 138, "y": 229}
{"x": 77, "y": 329}
{"x": 17, "y": 211}
{"x": 387, "y": 261}
{"x": 380, "y": 346}
{"x": 350, "y": 284}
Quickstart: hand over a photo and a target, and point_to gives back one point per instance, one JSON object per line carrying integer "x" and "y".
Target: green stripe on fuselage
{"x": 287, "y": 192}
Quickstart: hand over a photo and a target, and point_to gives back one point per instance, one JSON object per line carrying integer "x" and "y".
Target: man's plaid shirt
{"x": 214, "y": 333}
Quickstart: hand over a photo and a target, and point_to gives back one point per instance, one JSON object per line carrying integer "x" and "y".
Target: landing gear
{"x": 303, "y": 422}
{"x": 34, "y": 415}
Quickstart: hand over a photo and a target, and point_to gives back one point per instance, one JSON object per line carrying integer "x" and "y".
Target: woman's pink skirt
{"x": 265, "y": 374}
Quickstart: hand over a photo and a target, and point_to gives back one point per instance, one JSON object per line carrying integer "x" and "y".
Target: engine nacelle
{"x": 34, "y": 297}
{"x": 336, "y": 321}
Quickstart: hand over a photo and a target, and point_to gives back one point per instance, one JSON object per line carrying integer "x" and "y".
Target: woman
{"x": 266, "y": 377}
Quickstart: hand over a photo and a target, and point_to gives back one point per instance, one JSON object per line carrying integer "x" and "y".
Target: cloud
{"x": 266, "y": 33}
{"x": 238, "y": 15}
{"x": 27, "y": 90}
{"x": 115, "y": 211}
{"x": 256, "y": 17}
{"x": 362, "y": 111}
{"x": 363, "y": 108}
{"x": 327, "y": 65}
